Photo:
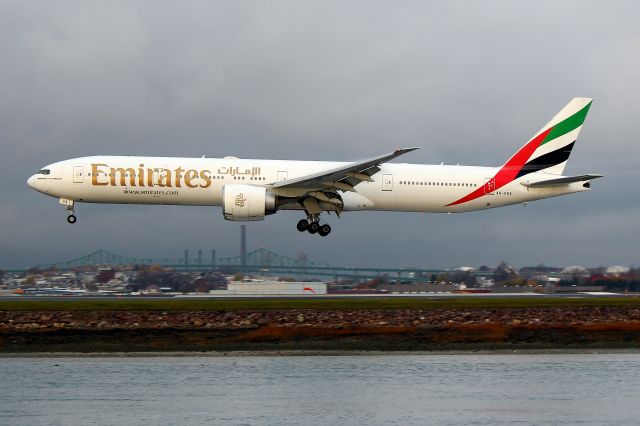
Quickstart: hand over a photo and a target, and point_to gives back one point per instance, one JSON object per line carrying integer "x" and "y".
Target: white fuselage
{"x": 199, "y": 181}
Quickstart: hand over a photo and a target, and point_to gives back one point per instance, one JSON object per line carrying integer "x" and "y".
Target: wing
{"x": 343, "y": 178}
{"x": 560, "y": 181}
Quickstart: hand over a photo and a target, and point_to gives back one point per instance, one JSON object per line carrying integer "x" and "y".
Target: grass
{"x": 325, "y": 304}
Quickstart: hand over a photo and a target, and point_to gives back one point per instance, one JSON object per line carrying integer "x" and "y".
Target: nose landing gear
{"x": 69, "y": 205}
{"x": 312, "y": 226}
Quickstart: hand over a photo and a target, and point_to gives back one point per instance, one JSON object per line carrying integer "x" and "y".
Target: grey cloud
{"x": 468, "y": 81}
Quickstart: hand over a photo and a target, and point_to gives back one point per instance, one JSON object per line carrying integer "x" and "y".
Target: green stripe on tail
{"x": 567, "y": 125}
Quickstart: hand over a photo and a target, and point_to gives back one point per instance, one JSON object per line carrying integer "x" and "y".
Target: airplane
{"x": 249, "y": 190}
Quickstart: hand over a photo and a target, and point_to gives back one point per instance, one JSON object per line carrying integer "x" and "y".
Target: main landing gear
{"x": 312, "y": 225}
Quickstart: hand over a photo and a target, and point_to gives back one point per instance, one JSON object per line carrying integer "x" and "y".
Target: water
{"x": 537, "y": 389}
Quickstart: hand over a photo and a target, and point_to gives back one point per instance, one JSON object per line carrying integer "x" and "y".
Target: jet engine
{"x": 247, "y": 202}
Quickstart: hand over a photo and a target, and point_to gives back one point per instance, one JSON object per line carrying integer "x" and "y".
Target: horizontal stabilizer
{"x": 560, "y": 181}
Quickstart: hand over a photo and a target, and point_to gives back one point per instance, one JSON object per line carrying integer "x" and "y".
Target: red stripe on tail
{"x": 508, "y": 172}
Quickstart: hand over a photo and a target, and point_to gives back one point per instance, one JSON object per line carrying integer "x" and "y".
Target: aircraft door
{"x": 78, "y": 174}
{"x": 387, "y": 182}
{"x": 282, "y": 176}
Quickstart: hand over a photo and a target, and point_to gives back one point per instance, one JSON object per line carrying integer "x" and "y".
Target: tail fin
{"x": 550, "y": 148}
{"x": 547, "y": 151}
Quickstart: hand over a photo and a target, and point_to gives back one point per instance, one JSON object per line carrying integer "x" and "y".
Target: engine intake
{"x": 247, "y": 202}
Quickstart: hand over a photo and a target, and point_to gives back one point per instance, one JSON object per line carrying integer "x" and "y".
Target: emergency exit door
{"x": 387, "y": 182}
{"x": 282, "y": 175}
{"x": 78, "y": 172}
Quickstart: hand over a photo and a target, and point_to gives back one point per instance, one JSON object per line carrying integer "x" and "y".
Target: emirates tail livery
{"x": 251, "y": 189}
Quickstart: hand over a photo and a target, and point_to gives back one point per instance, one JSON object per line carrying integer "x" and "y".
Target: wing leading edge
{"x": 343, "y": 178}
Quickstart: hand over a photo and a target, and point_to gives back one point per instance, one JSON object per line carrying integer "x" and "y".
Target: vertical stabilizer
{"x": 548, "y": 151}
{"x": 550, "y": 148}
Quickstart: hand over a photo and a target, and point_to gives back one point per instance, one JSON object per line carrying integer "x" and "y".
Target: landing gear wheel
{"x": 324, "y": 230}
{"x": 302, "y": 225}
{"x": 71, "y": 218}
{"x": 314, "y": 227}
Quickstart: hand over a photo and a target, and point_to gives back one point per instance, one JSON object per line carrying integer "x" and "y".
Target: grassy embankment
{"x": 163, "y": 304}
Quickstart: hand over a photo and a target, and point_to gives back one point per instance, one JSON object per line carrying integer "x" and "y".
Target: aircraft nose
{"x": 32, "y": 182}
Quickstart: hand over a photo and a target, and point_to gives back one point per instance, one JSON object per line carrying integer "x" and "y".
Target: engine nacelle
{"x": 247, "y": 202}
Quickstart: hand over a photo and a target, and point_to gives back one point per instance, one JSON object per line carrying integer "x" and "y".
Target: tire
{"x": 324, "y": 230}
{"x": 314, "y": 227}
{"x": 71, "y": 219}
{"x": 302, "y": 225}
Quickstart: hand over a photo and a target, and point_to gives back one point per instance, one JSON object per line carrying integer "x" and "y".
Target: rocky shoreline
{"x": 321, "y": 329}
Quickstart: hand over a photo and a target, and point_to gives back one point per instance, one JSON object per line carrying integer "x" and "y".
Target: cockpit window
{"x": 44, "y": 172}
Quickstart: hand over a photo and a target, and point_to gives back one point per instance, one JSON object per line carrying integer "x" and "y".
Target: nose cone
{"x": 32, "y": 182}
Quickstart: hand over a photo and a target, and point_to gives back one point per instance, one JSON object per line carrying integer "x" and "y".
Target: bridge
{"x": 260, "y": 261}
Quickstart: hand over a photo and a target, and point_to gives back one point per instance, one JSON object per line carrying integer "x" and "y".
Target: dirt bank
{"x": 311, "y": 329}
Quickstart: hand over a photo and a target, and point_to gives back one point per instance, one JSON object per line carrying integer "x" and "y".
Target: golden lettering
{"x": 164, "y": 178}
{"x": 178, "y": 171}
{"x": 102, "y": 175}
{"x": 189, "y": 176}
{"x": 150, "y": 174}
{"x": 123, "y": 172}
{"x": 141, "y": 175}
{"x": 95, "y": 173}
{"x": 205, "y": 175}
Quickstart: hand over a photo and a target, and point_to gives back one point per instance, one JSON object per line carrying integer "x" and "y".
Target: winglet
{"x": 388, "y": 157}
{"x": 401, "y": 151}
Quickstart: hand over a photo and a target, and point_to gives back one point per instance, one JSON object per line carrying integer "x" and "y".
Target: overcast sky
{"x": 469, "y": 82}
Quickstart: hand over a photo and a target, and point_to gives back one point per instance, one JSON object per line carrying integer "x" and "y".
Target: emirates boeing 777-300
{"x": 252, "y": 189}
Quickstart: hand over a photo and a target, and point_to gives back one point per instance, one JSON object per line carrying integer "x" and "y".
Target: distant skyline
{"x": 469, "y": 82}
{"x": 193, "y": 256}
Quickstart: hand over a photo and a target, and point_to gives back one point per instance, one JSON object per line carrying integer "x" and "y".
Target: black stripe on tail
{"x": 547, "y": 160}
